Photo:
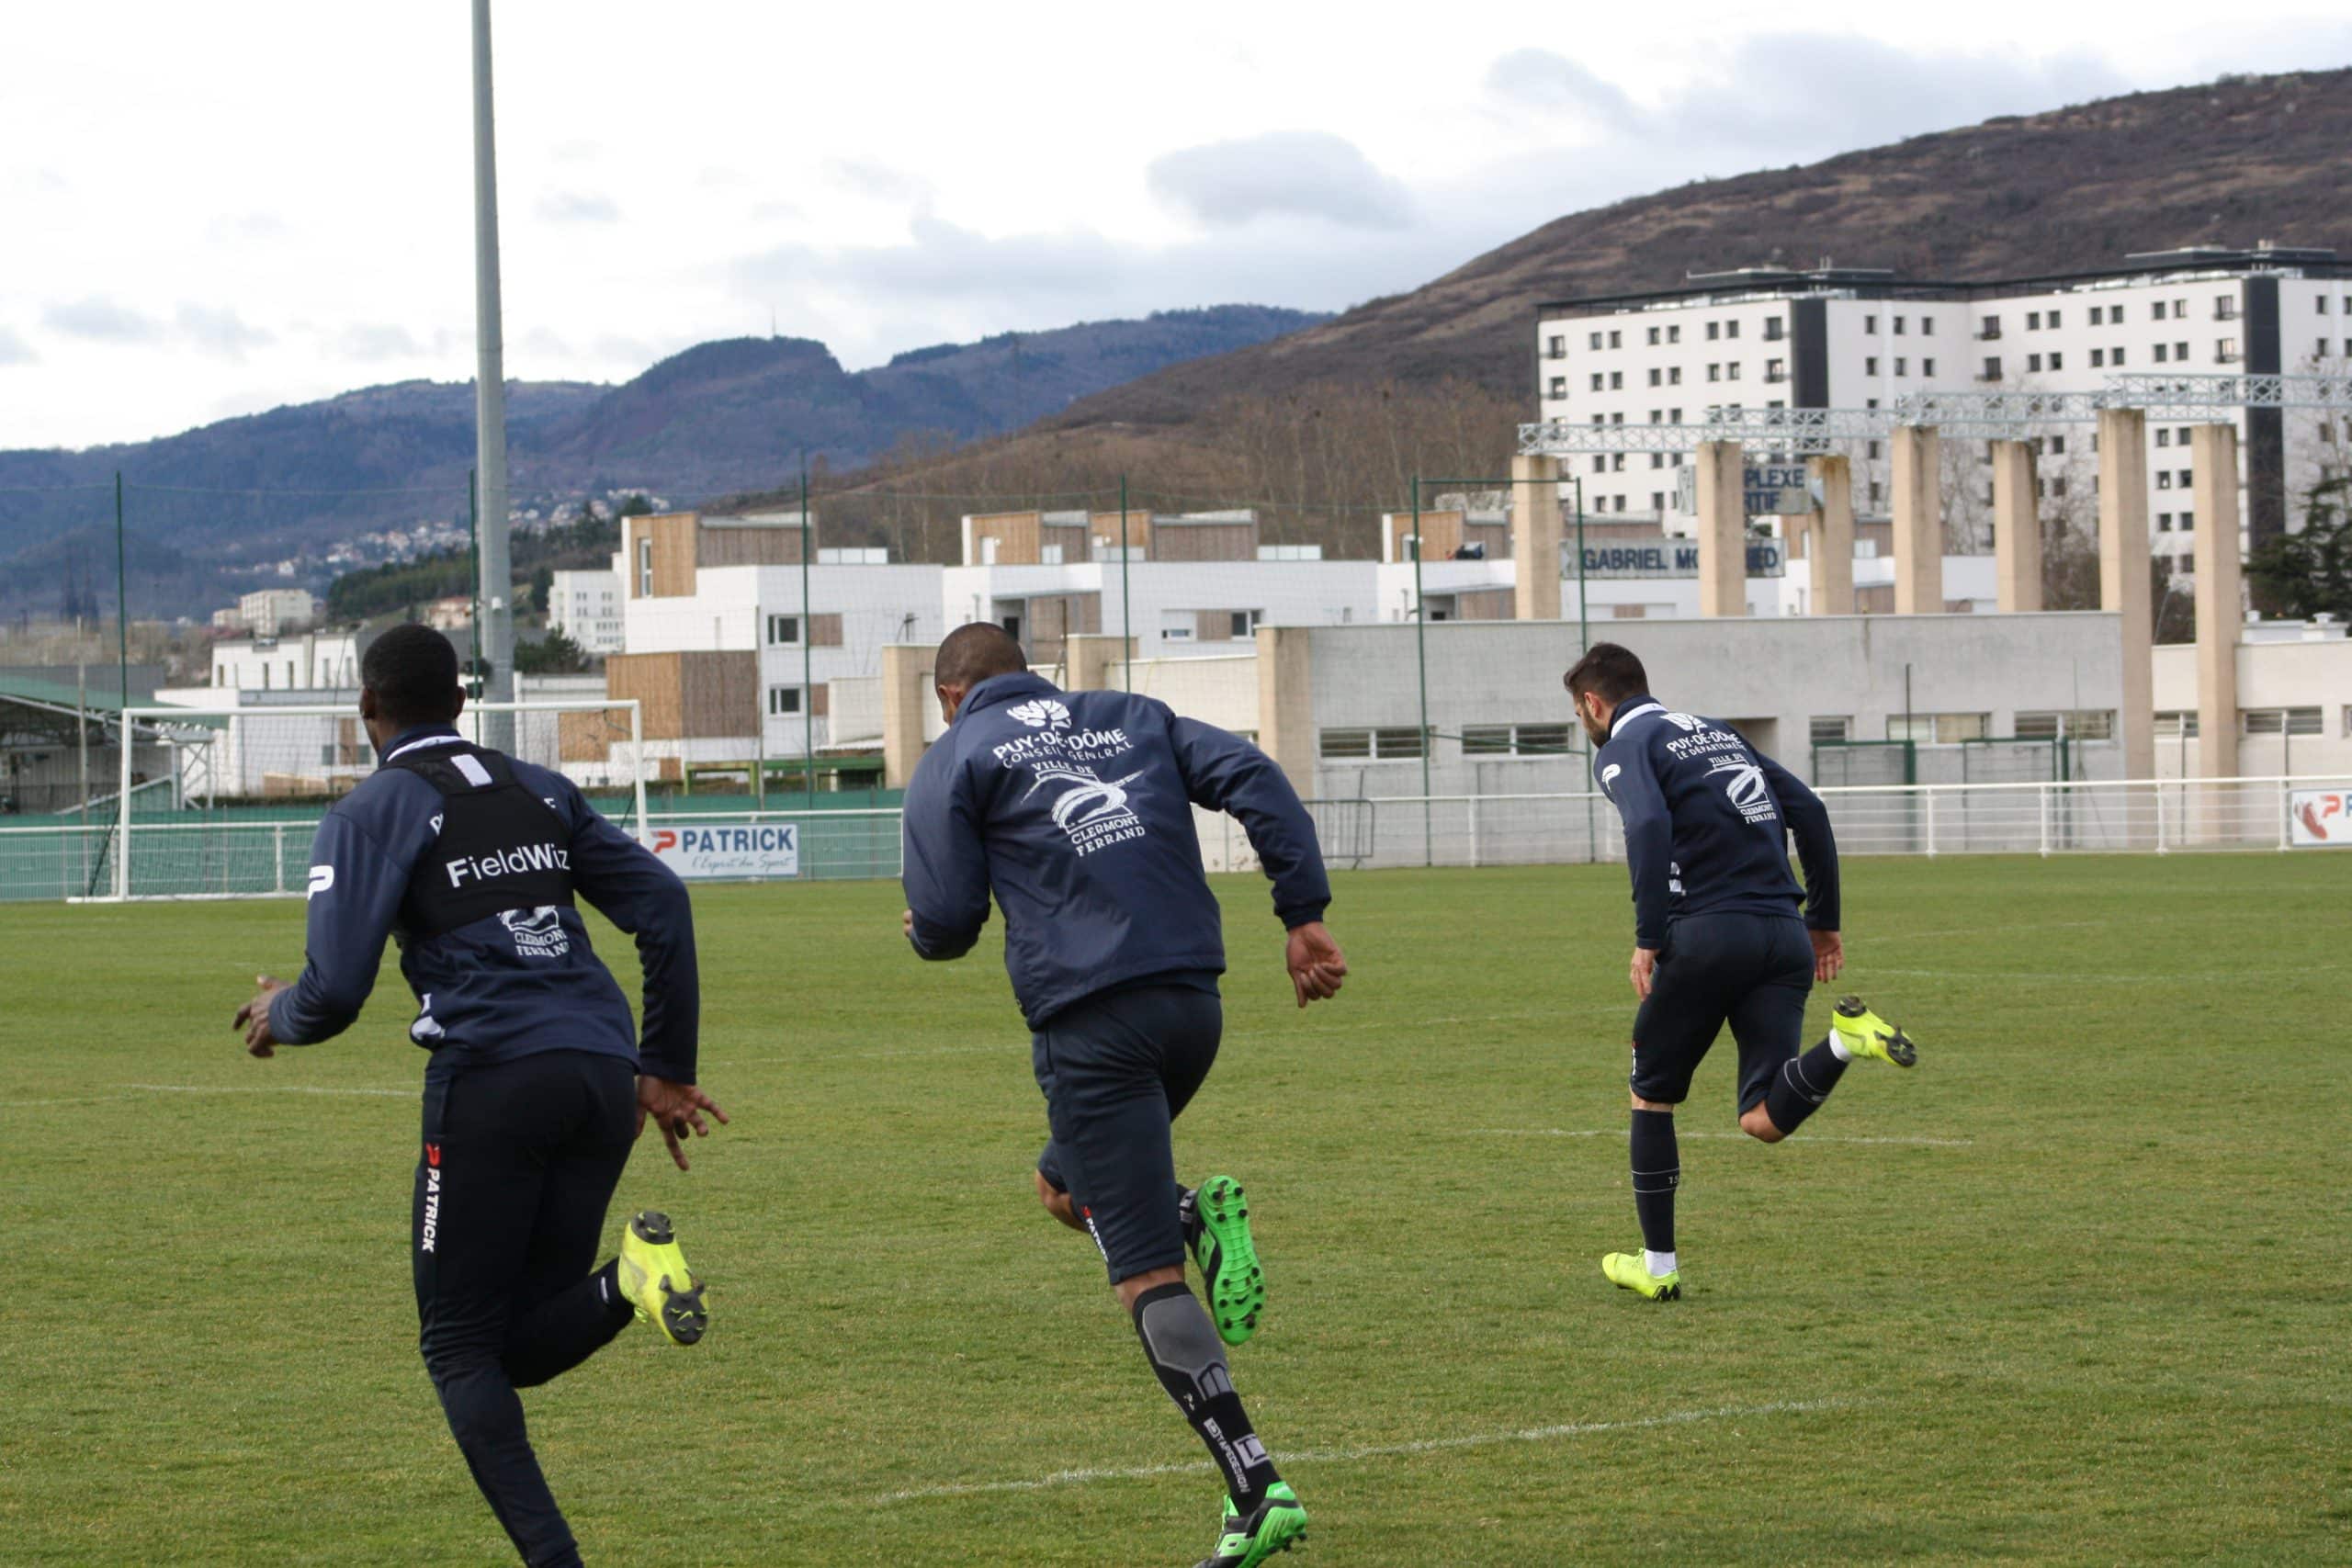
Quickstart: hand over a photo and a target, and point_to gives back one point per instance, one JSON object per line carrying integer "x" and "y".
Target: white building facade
{"x": 586, "y": 607}
{"x": 1860, "y": 339}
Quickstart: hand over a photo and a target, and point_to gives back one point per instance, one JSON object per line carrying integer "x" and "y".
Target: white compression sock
{"x": 1661, "y": 1264}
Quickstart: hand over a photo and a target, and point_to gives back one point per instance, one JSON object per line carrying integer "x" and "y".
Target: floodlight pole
{"x": 1126, "y": 597}
{"x": 808, "y": 645}
{"x": 493, "y": 569}
{"x": 1422, "y": 651}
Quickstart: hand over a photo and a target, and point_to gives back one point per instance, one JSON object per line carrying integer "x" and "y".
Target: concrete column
{"x": 1095, "y": 661}
{"x": 1286, "y": 703}
{"x": 1535, "y": 536}
{"x": 906, "y": 689}
{"x": 2221, "y": 611}
{"x": 2017, "y": 526}
{"x": 1829, "y": 554}
{"x": 1918, "y": 522}
{"x": 1723, "y": 529}
{"x": 2123, "y": 584}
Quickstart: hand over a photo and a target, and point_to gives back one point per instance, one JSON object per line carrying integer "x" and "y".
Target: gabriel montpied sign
{"x": 771, "y": 849}
{"x": 2321, "y": 817}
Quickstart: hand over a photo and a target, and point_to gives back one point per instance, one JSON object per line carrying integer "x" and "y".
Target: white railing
{"x": 216, "y": 859}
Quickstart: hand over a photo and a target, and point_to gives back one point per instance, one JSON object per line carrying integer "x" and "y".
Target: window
{"x": 2226, "y": 351}
{"x": 1870, "y": 325}
{"x": 1990, "y": 328}
{"x": 1397, "y": 744}
{"x": 1902, "y": 365}
{"x": 2180, "y": 310}
{"x": 2115, "y": 357}
{"x": 783, "y": 700}
{"x": 1731, "y": 329}
{"x": 1898, "y": 325}
{"x": 1346, "y": 743}
{"x": 1657, "y": 416}
{"x": 1559, "y": 387}
{"x": 1616, "y": 339}
{"x": 1245, "y": 624}
{"x": 1871, "y": 452}
{"x": 1617, "y": 465}
{"x": 1657, "y": 498}
{"x": 1594, "y": 341}
{"x": 1831, "y": 731}
{"x": 1714, "y": 330}
{"x": 2280, "y": 721}
{"x": 2321, "y": 304}
{"x": 2080, "y": 724}
{"x": 2184, "y": 478}
{"x": 1992, "y": 369}
{"x": 1775, "y": 328}
{"x": 1653, "y": 337}
{"x": 2164, "y": 522}
{"x": 1731, "y": 371}
{"x": 1938, "y": 728}
{"x": 2226, "y": 307}
{"x": 644, "y": 565}
{"x": 1514, "y": 739}
{"x": 2098, "y": 357}
{"x": 2178, "y": 725}
{"x": 2156, "y": 309}
{"x": 1598, "y": 381}
{"x": 2057, "y": 444}
{"x": 2164, "y": 435}
{"x": 1674, "y": 416}
{"x": 1674, "y": 375}
{"x": 1557, "y": 346}
{"x": 1657, "y": 377}
{"x": 783, "y": 631}
{"x": 1877, "y": 494}
{"x": 2187, "y": 521}
{"x": 2160, "y": 353}
{"x": 1715, "y": 371}
{"x": 2098, "y": 315}
{"x": 1927, "y": 326}
{"x": 2032, "y": 362}
{"x": 1927, "y": 367}
{"x": 1674, "y": 334}
{"x": 1778, "y": 370}
{"x": 2033, "y": 321}
{"x": 2053, "y": 319}
{"x": 1600, "y": 463}
{"x": 2321, "y": 352}
{"x": 1616, "y": 380}
{"x": 2163, "y": 478}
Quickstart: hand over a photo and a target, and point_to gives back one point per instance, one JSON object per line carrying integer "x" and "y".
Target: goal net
{"x": 224, "y": 802}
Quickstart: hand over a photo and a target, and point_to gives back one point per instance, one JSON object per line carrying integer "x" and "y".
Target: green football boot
{"x": 1275, "y": 1525}
{"x": 1630, "y": 1271}
{"x": 1217, "y": 1229}
{"x": 1864, "y": 1034}
{"x": 654, "y": 1275}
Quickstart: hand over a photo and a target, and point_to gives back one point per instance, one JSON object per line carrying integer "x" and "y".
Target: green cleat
{"x": 1229, "y": 1259}
{"x": 1864, "y": 1034}
{"x": 654, "y": 1276}
{"x": 1276, "y": 1525}
{"x": 1630, "y": 1271}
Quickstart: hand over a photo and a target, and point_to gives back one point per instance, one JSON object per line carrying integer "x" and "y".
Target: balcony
{"x": 1989, "y": 333}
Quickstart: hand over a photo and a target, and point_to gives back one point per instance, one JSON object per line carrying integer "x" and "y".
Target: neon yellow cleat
{"x": 1864, "y": 1034}
{"x": 654, "y": 1276}
{"x": 1630, "y": 1271}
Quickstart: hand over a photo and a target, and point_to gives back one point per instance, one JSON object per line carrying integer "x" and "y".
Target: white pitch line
{"x": 268, "y": 1089}
{"x": 1372, "y": 1451}
{"x": 1619, "y": 1132}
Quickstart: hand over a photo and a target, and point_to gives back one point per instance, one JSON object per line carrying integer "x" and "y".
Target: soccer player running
{"x": 538, "y": 1083}
{"x": 1074, "y": 808}
{"x": 1716, "y": 934}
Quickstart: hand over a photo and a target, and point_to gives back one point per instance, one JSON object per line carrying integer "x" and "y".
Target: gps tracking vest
{"x": 500, "y": 846}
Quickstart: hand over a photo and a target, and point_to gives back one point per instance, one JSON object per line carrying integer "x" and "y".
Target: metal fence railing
{"x": 214, "y": 859}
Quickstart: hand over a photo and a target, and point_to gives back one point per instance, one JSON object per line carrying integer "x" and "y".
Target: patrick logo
{"x": 1041, "y": 713}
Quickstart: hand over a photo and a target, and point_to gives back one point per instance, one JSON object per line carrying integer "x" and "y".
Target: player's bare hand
{"x": 252, "y": 1017}
{"x": 1828, "y": 956}
{"x": 677, "y": 1109}
{"x": 907, "y": 923}
{"x": 1645, "y": 970}
{"x": 1316, "y": 964}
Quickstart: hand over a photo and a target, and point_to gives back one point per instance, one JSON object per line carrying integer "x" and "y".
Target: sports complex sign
{"x": 1676, "y": 557}
{"x": 2320, "y": 819}
{"x": 767, "y": 849}
{"x": 1768, "y": 490}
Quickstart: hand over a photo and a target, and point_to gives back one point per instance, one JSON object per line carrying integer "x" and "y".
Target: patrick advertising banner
{"x": 769, "y": 849}
{"x": 2321, "y": 817}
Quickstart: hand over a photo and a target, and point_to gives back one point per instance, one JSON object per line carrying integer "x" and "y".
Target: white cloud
{"x": 574, "y": 207}
{"x": 221, "y": 332}
{"x": 101, "y": 319}
{"x": 1283, "y": 174}
{"x": 15, "y": 350}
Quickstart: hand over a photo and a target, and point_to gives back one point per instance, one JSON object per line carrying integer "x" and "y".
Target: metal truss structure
{"x": 1990, "y": 416}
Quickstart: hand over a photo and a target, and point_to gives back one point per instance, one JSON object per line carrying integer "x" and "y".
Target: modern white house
{"x": 1859, "y": 338}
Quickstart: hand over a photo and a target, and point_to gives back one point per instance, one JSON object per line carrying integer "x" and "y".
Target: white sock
{"x": 1838, "y": 1048}
{"x": 1661, "y": 1264}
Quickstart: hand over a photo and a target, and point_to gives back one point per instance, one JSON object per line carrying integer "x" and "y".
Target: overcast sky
{"x": 213, "y": 209}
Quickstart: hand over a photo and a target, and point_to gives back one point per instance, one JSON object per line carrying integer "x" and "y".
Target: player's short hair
{"x": 972, "y": 653}
{"x": 1611, "y": 671}
{"x": 412, "y": 669}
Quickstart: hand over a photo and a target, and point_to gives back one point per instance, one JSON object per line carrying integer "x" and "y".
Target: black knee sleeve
{"x": 1182, "y": 1346}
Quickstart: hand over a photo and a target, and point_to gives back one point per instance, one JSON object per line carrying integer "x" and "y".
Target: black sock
{"x": 1183, "y": 1349}
{"x": 1658, "y": 1172}
{"x": 1803, "y": 1084}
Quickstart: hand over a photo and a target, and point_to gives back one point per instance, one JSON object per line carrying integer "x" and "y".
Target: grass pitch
{"x": 2073, "y": 1290}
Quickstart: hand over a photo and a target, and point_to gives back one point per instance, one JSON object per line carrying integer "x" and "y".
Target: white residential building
{"x": 272, "y": 612}
{"x": 1859, "y": 339}
{"x": 586, "y": 607}
{"x": 321, "y": 663}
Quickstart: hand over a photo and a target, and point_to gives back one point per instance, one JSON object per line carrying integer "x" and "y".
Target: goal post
{"x": 238, "y": 792}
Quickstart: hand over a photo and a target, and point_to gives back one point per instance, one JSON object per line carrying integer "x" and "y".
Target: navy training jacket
{"x": 1074, "y": 808}
{"x": 510, "y": 984}
{"x": 1707, "y": 822}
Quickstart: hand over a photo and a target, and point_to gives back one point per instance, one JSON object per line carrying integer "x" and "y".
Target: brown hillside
{"x": 2071, "y": 190}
